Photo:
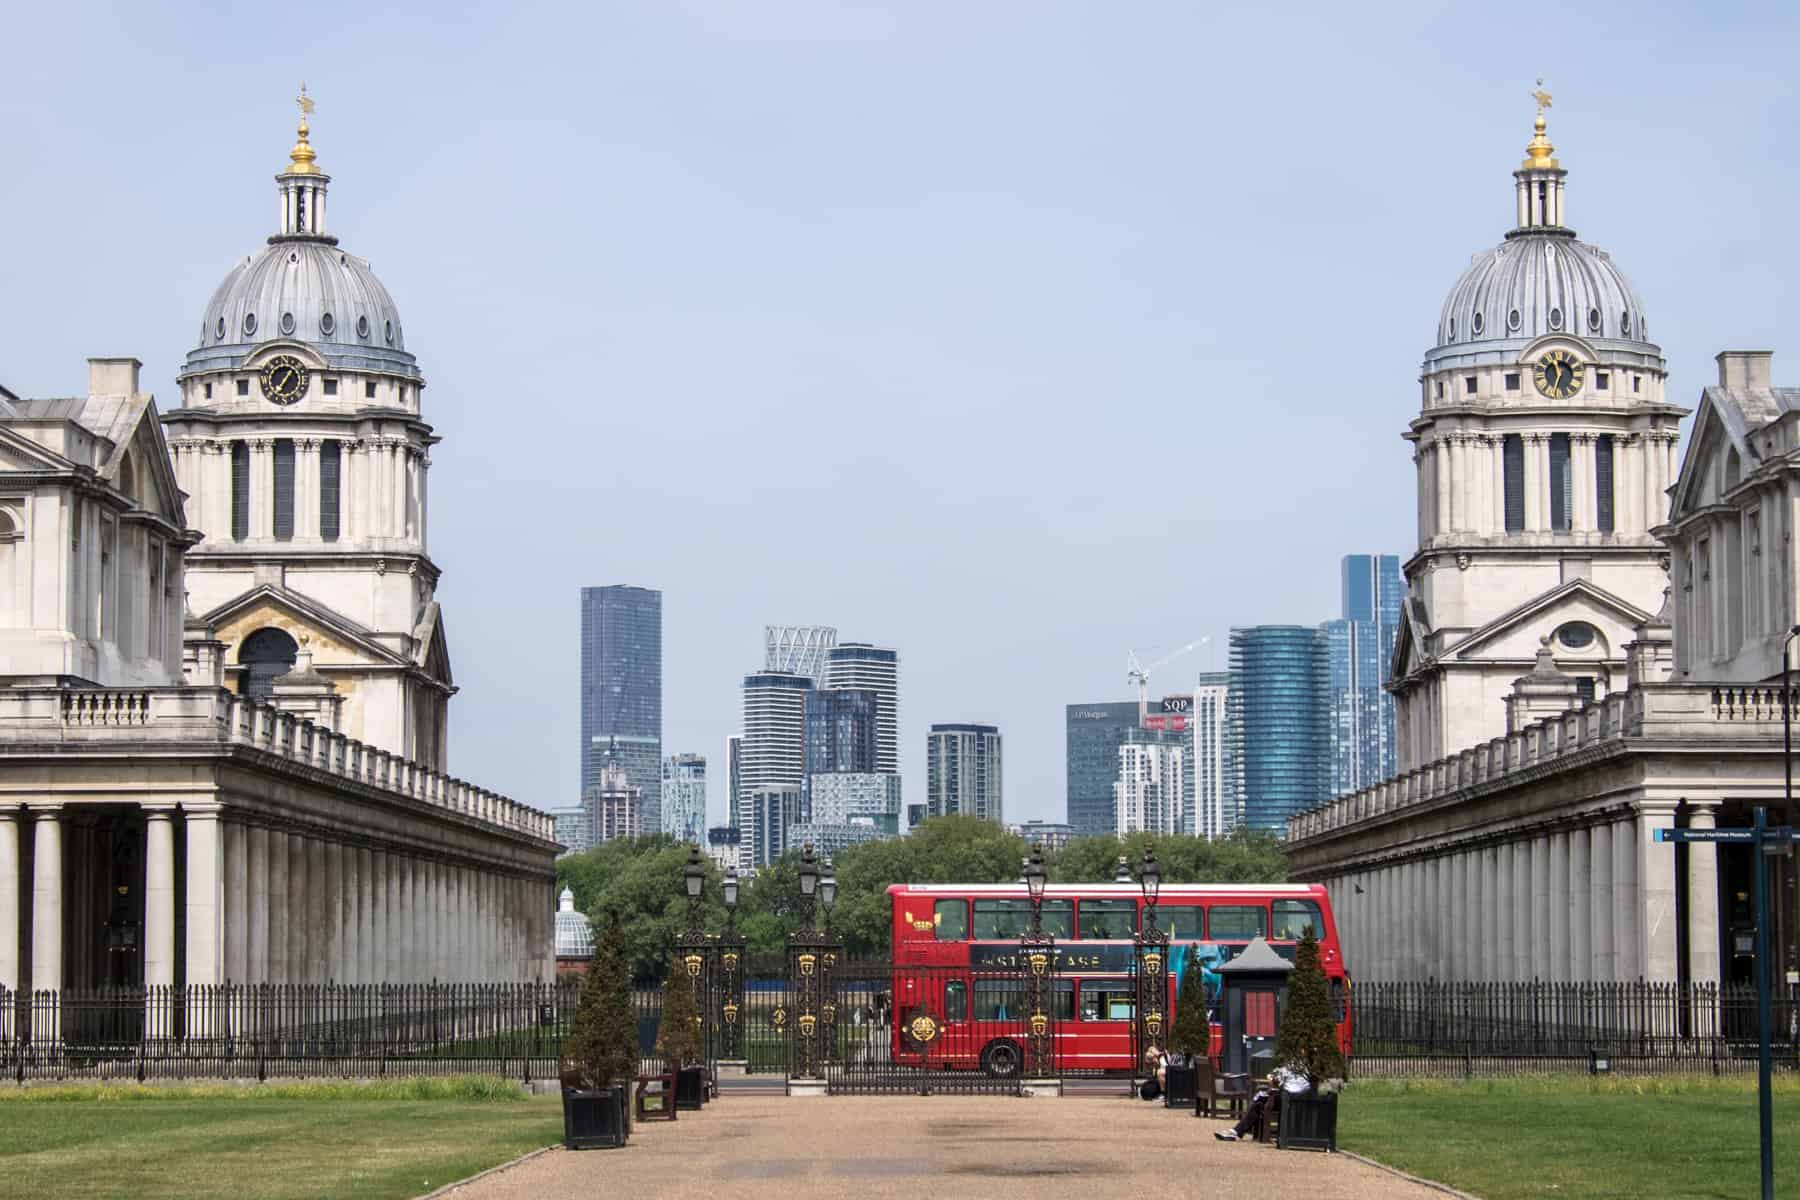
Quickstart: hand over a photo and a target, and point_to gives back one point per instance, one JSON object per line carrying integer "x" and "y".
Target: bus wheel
{"x": 1000, "y": 1059}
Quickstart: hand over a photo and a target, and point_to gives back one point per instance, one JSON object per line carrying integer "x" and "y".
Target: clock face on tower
{"x": 284, "y": 379}
{"x": 1558, "y": 374}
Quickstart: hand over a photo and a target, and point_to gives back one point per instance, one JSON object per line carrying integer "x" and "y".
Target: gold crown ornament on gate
{"x": 1153, "y": 1023}
{"x": 1153, "y": 963}
{"x": 807, "y": 963}
{"x": 730, "y": 959}
{"x": 730, "y": 1013}
{"x": 829, "y": 1012}
{"x": 693, "y": 963}
{"x": 1040, "y": 962}
{"x": 808, "y": 1023}
{"x": 1039, "y": 1024}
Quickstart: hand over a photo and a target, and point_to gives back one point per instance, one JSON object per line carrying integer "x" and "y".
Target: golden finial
{"x": 301, "y": 157}
{"x": 1539, "y": 155}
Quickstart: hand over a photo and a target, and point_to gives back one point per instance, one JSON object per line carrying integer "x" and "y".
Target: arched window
{"x": 1561, "y": 492}
{"x": 266, "y": 655}
{"x": 1513, "y": 453}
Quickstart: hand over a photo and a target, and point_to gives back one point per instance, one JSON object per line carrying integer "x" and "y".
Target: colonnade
{"x": 263, "y": 903}
{"x": 1464, "y": 481}
{"x": 380, "y": 492}
{"x": 1573, "y": 902}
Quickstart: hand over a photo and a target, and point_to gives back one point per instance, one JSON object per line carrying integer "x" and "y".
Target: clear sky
{"x": 1011, "y": 335}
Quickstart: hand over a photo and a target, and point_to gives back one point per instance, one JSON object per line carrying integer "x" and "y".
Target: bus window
{"x": 951, "y": 919}
{"x": 1237, "y": 922}
{"x": 956, "y": 1001}
{"x": 1064, "y": 1000}
{"x": 1107, "y": 1000}
{"x": 1294, "y": 917}
{"x": 1182, "y": 922}
{"x": 1006, "y": 920}
{"x": 1108, "y": 919}
{"x": 999, "y": 1000}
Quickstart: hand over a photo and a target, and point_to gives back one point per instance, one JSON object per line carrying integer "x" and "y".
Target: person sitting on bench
{"x": 1265, "y": 1103}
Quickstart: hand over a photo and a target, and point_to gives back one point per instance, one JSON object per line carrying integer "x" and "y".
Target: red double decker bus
{"x": 962, "y": 943}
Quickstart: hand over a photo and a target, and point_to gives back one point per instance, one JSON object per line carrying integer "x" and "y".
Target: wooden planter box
{"x": 1308, "y": 1122}
{"x": 596, "y": 1118}
{"x": 690, "y": 1088}
{"x": 1179, "y": 1086}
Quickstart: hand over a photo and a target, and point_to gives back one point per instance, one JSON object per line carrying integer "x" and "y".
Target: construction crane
{"x": 1136, "y": 672}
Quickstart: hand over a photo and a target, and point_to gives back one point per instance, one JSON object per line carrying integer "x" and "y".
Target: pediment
{"x": 1516, "y": 635}
{"x": 1697, "y": 483}
{"x": 152, "y": 484}
{"x": 433, "y": 649}
{"x": 20, "y": 453}
{"x": 334, "y": 639}
{"x": 1409, "y": 639}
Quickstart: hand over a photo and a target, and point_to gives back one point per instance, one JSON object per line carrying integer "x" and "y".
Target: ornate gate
{"x": 910, "y": 1029}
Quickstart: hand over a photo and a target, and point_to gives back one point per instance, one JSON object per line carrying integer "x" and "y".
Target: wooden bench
{"x": 665, "y": 1107}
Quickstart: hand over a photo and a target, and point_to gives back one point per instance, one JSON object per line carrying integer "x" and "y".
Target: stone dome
{"x": 1536, "y": 284}
{"x": 307, "y": 290}
{"x": 574, "y": 933}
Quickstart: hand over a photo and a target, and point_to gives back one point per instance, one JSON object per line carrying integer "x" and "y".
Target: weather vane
{"x": 1541, "y": 96}
{"x": 306, "y": 102}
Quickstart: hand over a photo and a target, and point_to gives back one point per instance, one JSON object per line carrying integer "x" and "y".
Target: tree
{"x": 1192, "y": 1032}
{"x": 602, "y": 1046}
{"x": 636, "y": 883}
{"x": 1308, "y": 1035}
{"x": 678, "y": 1041}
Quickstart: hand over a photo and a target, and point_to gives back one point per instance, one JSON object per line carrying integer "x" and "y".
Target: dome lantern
{"x": 302, "y": 185}
{"x": 1540, "y": 177}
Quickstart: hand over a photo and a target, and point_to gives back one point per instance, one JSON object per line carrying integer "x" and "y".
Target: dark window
{"x": 1440, "y": 389}
{"x": 1006, "y": 920}
{"x": 1469, "y": 384}
{"x": 243, "y": 387}
{"x": 1182, "y": 922}
{"x": 284, "y": 487}
{"x": 1108, "y": 919}
{"x": 956, "y": 1001}
{"x": 209, "y": 391}
{"x": 1237, "y": 922}
{"x": 331, "y": 387}
{"x": 266, "y": 655}
{"x": 999, "y": 1000}
{"x": 1637, "y": 382}
{"x": 951, "y": 919}
{"x": 1603, "y": 482}
{"x": 1107, "y": 1000}
{"x": 330, "y": 465}
{"x": 1512, "y": 381}
{"x": 1584, "y": 688}
{"x": 1295, "y": 917}
{"x": 300, "y": 210}
{"x": 240, "y": 491}
{"x": 1601, "y": 378}
{"x": 1560, "y": 493}
{"x": 369, "y": 390}
{"x": 1512, "y": 452}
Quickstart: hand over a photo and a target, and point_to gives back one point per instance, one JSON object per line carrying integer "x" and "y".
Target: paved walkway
{"x": 937, "y": 1148}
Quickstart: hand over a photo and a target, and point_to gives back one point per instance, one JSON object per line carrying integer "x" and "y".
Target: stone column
{"x": 1656, "y": 890}
{"x": 418, "y": 946}
{"x": 1628, "y": 911}
{"x": 1702, "y": 898}
{"x": 47, "y": 899}
{"x": 306, "y": 488}
{"x": 321, "y": 902}
{"x": 233, "y": 920}
{"x": 1540, "y": 904}
{"x": 1557, "y": 855}
{"x": 9, "y": 900}
{"x": 1507, "y": 945}
{"x": 262, "y": 488}
{"x": 1579, "y": 910}
{"x": 1524, "y": 964}
{"x": 365, "y": 917}
{"x": 275, "y": 918}
{"x": 300, "y": 937}
{"x": 159, "y": 898}
{"x": 1600, "y": 902}
{"x": 380, "y": 902}
{"x": 1582, "y": 517}
{"x": 205, "y": 959}
{"x": 1453, "y": 894}
{"x": 340, "y": 869}
{"x": 1536, "y": 486}
{"x": 1492, "y": 914}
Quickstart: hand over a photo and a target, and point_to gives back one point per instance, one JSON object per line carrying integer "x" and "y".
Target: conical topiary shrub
{"x": 601, "y": 1049}
{"x": 1308, "y": 1036}
{"x": 678, "y": 1040}
{"x": 1192, "y": 1033}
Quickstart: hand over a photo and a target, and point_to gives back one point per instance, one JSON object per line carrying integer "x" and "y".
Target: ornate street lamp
{"x": 695, "y": 950}
{"x": 1123, "y": 873}
{"x": 1037, "y": 951}
{"x": 730, "y": 987}
{"x": 811, "y": 956}
{"x": 1151, "y": 951}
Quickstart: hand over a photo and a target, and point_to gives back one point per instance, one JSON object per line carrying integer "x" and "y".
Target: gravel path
{"x": 937, "y": 1148}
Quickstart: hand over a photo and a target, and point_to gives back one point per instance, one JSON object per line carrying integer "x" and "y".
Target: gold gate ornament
{"x": 730, "y": 1011}
{"x": 730, "y": 960}
{"x": 1153, "y": 1023}
{"x": 1040, "y": 962}
{"x": 694, "y": 962}
{"x": 807, "y": 963}
{"x": 1040, "y": 1024}
{"x": 808, "y": 1023}
{"x": 1153, "y": 963}
{"x": 924, "y": 1029}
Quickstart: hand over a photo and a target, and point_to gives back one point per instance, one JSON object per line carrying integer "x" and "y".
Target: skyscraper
{"x": 1214, "y": 815}
{"x": 841, "y": 730}
{"x": 1094, "y": 733}
{"x": 1148, "y": 795}
{"x": 734, "y": 777}
{"x": 1362, "y": 647}
{"x": 772, "y": 757}
{"x": 614, "y": 804}
{"x": 861, "y": 667}
{"x": 962, "y": 772}
{"x": 621, "y": 690}
{"x": 1279, "y": 710}
{"x": 684, "y": 796}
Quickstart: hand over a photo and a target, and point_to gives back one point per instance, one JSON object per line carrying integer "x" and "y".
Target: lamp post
{"x": 1037, "y": 950}
{"x": 694, "y": 950}
{"x": 1122, "y": 874}
{"x": 1150, "y": 947}
{"x": 810, "y": 960}
{"x": 730, "y": 989}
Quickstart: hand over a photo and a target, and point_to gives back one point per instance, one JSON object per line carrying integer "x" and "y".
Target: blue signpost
{"x": 1762, "y": 841}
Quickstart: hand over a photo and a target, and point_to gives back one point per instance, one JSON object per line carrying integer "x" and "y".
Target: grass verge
{"x": 1589, "y": 1138}
{"x": 395, "y": 1138}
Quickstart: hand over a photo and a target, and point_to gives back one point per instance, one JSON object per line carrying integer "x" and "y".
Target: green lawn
{"x": 394, "y": 1140}
{"x": 1507, "y": 1139}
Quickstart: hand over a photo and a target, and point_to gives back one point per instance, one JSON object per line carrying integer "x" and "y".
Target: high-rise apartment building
{"x": 855, "y": 798}
{"x": 621, "y": 690}
{"x": 1049, "y": 835}
{"x": 614, "y": 804}
{"x": 798, "y": 649}
{"x": 1279, "y": 710}
{"x": 1362, "y": 648}
{"x": 770, "y": 813}
{"x": 772, "y": 754}
{"x": 858, "y": 666}
{"x": 962, "y": 772}
{"x": 1094, "y": 733}
{"x": 1215, "y": 810}
{"x": 684, "y": 797}
{"x": 734, "y": 778}
{"x": 1149, "y": 795}
{"x": 574, "y": 828}
{"x": 841, "y": 731}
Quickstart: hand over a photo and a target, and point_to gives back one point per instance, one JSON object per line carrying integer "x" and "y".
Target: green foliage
{"x": 637, "y": 884}
{"x": 1244, "y": 856}
{"x": 1308, "y": 1036}
{"x": 1192, "y": 1033}
{"x": 678, "y": 1040}
{"x": 602, "y": 1046}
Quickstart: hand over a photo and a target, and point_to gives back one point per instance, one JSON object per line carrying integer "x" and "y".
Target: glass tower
{"x": 1094, "y": 733}
{"x": 621, "y": 690}
{"x": 1362, "y": 647}
{"x": 1279, "y": 712}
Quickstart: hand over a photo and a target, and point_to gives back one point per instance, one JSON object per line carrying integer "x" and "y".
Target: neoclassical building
{"x": 248, "y": 788}
{"x": 1544, "y": 447}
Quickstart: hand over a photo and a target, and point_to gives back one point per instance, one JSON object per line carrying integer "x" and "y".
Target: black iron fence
{"x": 277, "y": 1030}
{"x": 1448, "y": 1029}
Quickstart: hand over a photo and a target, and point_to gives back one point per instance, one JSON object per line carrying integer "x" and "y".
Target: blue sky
{"x": 1012, "y": 335}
